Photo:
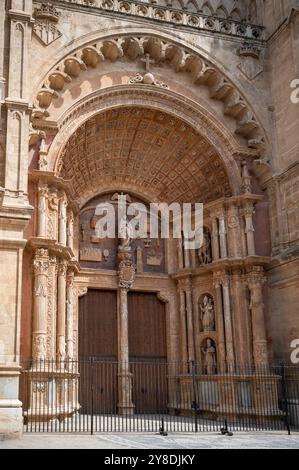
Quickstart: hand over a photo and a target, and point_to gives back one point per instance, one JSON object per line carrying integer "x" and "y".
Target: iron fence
{"x": 96, "y": 395}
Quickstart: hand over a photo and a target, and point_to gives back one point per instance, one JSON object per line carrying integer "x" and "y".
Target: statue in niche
{"x": 209, "y": 357}
{"x": 207, "y": 314}
{"x": 125, "y": 234}
{"x": 204, "y": 252}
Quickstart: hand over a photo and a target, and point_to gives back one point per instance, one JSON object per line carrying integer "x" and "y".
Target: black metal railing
{"x": 97, "y": 395}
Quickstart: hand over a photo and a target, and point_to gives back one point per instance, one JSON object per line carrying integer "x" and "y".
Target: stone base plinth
{"x": 235, "y": 397}
{"x": 50, "y": 395}
{"x": 11, "y": 419}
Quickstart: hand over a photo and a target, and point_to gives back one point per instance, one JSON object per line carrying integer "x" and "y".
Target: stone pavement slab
{"x": 153, "y": 441}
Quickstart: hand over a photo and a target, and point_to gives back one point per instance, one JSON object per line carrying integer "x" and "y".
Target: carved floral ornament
{"x": 222, "y": 18}
{"x": 156, "y": 50}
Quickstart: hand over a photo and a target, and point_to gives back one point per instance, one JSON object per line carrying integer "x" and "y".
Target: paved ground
{"x": 152, "y": 441}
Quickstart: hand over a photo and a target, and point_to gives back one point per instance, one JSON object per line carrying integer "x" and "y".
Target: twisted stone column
{"x": 255, "y": 280}
{"x": 39, "y": 327}
{"x": 61, "y": 310}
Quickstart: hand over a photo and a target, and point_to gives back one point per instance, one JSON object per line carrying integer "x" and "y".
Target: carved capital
{"x": 256, "y": 277}
{"x": 41, "y": 262}
{"x": 62, "y": 268}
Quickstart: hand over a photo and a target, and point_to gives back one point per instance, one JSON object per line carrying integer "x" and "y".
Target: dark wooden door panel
{"x": 98, "y": 351}
{"x": 147, "y": 327}
{"x": 98, "y": 324}
{"x": 147, "y": 351}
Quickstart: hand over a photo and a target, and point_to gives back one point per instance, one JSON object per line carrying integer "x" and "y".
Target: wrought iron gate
{"x": 105, "y": 396}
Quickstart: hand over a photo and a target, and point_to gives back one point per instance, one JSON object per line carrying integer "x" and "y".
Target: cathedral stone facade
{"x": 162, "y": 101}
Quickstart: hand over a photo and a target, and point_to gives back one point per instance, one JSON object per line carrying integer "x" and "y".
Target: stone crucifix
{"x": 148, "y": 61}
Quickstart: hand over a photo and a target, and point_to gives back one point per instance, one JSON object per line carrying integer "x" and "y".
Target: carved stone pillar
{"x": 126, "y": 275}
{"x": 183, "y": 326}
{"x": 215, "y": 239}
{"x": 241, "y": 319}
{"x": 42, "y": 211}
{"x": 70, "y": 230}
{"x": 52, "y": 307}
{"x": 62, "y": 219}
{"x": 255, "y": 280}
{"x": 70, "y": 315}
{"x": 180, "y": 254}
{"x": 39, "y": 327}
{"x": 186, "y": 257}
{"x": 189, "y": 311}
{"x": 221, "y": 351}
{"x": 229, "y": 338}
{"x": 234, "y": 235}
{"x": 53, "y": 204}
{"x": 61, "y": 310}
{"x": 222, "y": 235}
{"x": 249, "y": 229}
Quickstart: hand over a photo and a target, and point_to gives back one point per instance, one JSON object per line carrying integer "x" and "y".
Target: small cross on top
{"x": 148, "y": 62}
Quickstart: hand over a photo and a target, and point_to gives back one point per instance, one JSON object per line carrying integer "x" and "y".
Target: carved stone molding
{"x": 46, "y": 17}
{"x": 216, "y": 18}
{"x": 181, "y": 58}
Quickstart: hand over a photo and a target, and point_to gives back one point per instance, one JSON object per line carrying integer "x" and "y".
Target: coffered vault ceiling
{"x": 147, "y": 150}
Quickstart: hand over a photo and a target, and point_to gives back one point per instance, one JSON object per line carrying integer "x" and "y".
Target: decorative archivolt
{"x": 160, "y": 50}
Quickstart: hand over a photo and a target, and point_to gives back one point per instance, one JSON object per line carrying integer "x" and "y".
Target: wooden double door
{"x": 98, "y": 351}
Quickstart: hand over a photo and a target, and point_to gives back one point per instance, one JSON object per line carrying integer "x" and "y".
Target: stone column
{"x": 183, "y": 326}
{"x": 186, "y": 257}
{"x": 234, "y": 234}
{"x": 126, "y": 278}
{"x": 215, "y": 239}
{"x": 241, "y": 319}
{"x": 39, "y": 325}
{"x": 61, "y": 310}
{"x": 62, "y": 220}
{"x": 249, "y": 229}
{"x": 222, "y": 235}
{"x": 42, "y": 211}
{"x": 189, "y": 311}
{"x": 255, "y": 280}
{"x": 229, "y": 338}
{"x": 180, "y": 253}
{"x": 221, "y": 351}
{"x": 70, "y": 315}
{"x": 70, "y": 230}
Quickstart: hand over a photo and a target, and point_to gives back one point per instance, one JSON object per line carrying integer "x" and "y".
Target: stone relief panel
{"x": 97, "y": 253}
